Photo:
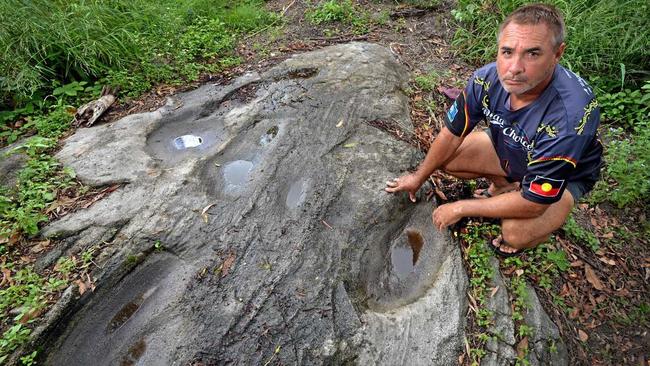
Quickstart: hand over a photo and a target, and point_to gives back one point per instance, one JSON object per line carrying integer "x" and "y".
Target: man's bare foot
{"x": 501, "y": 248}
{"x": 493, "y": 190}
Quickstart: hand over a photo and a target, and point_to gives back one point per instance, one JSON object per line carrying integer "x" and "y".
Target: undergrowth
{"x": 540, "y": 266}
{"x": 130, "y": 44}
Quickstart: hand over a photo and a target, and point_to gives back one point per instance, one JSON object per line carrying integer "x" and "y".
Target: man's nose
{"x": 516, "y": 66}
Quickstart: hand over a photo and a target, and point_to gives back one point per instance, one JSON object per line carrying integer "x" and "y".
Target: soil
{"x": 615, "y": 317}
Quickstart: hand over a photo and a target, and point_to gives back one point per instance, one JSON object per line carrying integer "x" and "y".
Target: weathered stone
{"x": 501, "y": 346}
{"x": 11, "y": 162}
{"x": 546, "y": 346}
{"x": 270, "y": 240}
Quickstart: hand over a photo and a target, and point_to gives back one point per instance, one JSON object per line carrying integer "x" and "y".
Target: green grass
{"x": 340, "y": 11}
{"x": 602, "y": 35}
{"x": 131, "y": 43}
{"x": 580, "y": 235}
{"x": 541, "y": 265}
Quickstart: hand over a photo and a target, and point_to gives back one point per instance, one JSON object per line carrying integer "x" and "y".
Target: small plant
{"x": 341, "y": 11}
{"x": 430, "y": 81}
{"x": 627, "y": 107}
{"x": 28, "y": 360}
{"x": 65, "y": 265}
{"x": 578, "y": 234}
{"x": 158, "y": 247}
{"x": 626, "y": 178}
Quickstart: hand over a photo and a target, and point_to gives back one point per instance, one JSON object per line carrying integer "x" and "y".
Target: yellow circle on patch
{"x": 546, "y": 187}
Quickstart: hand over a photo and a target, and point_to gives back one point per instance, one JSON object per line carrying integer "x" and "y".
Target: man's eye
{"x": 533, "y": 54}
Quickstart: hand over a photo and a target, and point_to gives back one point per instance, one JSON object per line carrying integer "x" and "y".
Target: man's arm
{"x": 442, "y": 148}
{"x": 506, "y": 206}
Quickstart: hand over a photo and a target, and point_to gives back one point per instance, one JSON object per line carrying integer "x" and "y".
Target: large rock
{"x": 272, "y": 241}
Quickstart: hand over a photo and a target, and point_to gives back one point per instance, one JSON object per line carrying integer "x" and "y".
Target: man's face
{"x": 526, "y": 58}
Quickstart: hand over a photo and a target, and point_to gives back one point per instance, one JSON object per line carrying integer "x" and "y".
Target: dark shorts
{"x": 578, "y": 188}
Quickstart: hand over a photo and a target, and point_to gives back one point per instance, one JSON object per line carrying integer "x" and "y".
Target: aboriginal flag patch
{"x": 546, "y": 187}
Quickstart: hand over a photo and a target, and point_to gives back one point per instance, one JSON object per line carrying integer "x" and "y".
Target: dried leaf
{"x": 204, "y": 212}
{"x": 522, "y": 347}
{"x": 90, "y": 283}
{"x": 519, "y": 272}
{"x": 350, "y": 145}
{"x": 606, "y": 260}
{"x": 593, "y": 278}
{"x": 340, "y": 124}
{"x": 227, "y": 264}
{"x": 35, "y": 313}
{"x": 451, "y": 93}
{"x": 608, "y": 235}
{"x": 582, "y": 335}
{"x": 440, "y": 194}
{"x": 494, "y": 291}
{"x": 81, "y": 285}
{"x": 6, "y": 277}
{"x": 577, "y": 263}
{"x": 574, "y": 313}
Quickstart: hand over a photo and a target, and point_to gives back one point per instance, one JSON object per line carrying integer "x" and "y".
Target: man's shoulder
{"x": 487, "y": 72}
{"x": 571, "y": 89}
{"x": 573, "y": 98}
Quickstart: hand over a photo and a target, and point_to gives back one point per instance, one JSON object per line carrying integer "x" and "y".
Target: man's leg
{"x": 520, "y": 234}
{"x": 475, "y": 158}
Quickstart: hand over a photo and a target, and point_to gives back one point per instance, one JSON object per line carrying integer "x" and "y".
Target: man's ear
{"x": 559, "y": 52}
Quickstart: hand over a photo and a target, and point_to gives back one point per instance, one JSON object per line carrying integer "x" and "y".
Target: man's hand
{"x": 408, "y": 183}
{"x": 446, "y": 215}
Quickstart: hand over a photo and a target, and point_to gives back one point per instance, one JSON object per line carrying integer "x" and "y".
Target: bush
{"x": 626, "y": 178}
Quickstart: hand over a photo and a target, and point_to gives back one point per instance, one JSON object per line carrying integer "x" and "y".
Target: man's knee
{"x": 520, "y": 237}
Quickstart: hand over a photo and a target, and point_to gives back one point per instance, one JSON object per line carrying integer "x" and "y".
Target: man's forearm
{"x": 442, "y": 148}
{"x": 506, "y": 206}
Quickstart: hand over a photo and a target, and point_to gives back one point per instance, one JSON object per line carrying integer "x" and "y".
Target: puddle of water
{"x": 401, "y": 257}
{"x": 135, "y": 352}
{"x": 416, "y": 242}
{"x": 297, "y": 194}
{"x": 125, "y": 314}
{"x": 269, "y": 135}
{"x": 187, "y": 142}
{"x": 236, "y": 174}
{"x": 404, "y": 256}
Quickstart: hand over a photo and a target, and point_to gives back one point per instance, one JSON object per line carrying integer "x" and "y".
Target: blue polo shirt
{"x": 544, "y": 145}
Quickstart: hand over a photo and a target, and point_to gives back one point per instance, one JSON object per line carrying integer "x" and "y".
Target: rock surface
{"x": 545, "y": 346}
{"x": 252, "y": 228}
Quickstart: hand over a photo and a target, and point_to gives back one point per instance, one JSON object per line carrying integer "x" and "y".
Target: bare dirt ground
{"x": 604, "y": 318}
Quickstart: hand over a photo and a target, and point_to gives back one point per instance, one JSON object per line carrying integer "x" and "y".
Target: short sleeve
{"x": 553, "y": 160}
{"x": 466, "y": 111}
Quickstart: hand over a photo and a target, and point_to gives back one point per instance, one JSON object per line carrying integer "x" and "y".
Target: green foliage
{"x": 626, "y": 108}
{"x": 132, "y": 43}
{"x": 28, "y": 360}
{"x": 423, "y": 4}
{"x": 22, "y": 207}
{"x": 626, "y": 172}
{"x": 430, "y": 81}
{"x": 578, "y": 234}
{"x": 26, "y": 296}
{"x": 602, "y": 34}
{"x": 341, "y": 11}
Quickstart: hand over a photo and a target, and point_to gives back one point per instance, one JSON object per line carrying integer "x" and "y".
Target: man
{"x": 541, "y": 151}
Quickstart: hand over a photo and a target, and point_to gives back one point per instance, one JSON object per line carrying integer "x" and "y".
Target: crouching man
{"x": 541, "y": 151}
